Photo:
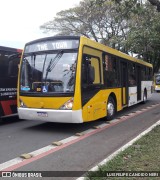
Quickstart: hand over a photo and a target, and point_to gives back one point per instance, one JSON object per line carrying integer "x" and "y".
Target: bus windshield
{"x": 48, "y": 72}
{"x": 157, "y": 78}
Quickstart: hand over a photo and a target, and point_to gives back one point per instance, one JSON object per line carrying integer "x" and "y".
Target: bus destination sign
{"x": 52, "y": 45}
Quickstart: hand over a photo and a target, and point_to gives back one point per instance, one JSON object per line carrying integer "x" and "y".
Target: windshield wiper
{"x": 33, "y": 58}
{"x": 53, "y": 63}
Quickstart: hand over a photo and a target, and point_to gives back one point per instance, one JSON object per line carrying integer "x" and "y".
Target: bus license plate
{"x": 42, "y": 114}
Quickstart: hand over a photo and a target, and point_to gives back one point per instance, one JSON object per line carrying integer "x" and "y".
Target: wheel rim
{"x": 110, "y": 109}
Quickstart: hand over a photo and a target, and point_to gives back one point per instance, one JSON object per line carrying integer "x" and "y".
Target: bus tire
{"x": 144, "y": 96}
{"x": 111, "y": 108}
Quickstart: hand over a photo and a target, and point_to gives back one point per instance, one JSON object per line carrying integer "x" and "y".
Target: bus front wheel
{"x": 111, "y": 109}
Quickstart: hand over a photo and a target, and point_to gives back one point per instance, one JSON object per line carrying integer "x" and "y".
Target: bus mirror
{"x": 13, "y": 56}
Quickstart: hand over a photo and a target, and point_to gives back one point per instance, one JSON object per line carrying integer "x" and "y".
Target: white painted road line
{"x": 42, "y": 150}
{"x": 69, "y": 139}
{"x": 122, "y": 148}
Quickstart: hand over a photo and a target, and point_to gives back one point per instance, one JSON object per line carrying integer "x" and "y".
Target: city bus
{"x": 157, "y": 82}
{"x": 9, "y": 60}
{"x": 73, "y": 79}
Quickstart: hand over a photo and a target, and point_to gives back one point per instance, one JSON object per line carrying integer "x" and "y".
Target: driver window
{"x": 90, "y": 70}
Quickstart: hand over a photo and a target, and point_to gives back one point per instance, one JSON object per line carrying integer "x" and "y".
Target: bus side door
{"x": 124, "y": 82}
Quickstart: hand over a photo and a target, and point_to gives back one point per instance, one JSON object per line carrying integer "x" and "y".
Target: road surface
{"x": 77, "y": 153}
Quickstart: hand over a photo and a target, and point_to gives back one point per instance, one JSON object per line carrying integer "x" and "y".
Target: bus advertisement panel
{"x": 9, "y": 60}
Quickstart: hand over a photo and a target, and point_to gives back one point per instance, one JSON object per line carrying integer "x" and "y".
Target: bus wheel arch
{"x": 111, "y": 106}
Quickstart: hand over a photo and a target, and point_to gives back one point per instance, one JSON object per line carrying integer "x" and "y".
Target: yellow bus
{"x": 73, "y": 79}
{"x": 157, "y": 82}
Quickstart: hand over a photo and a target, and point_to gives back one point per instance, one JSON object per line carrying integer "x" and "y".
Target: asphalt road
{"x": 18, "y": 137}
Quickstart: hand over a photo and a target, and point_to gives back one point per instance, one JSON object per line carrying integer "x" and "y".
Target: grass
{"x": 143, "y": 155}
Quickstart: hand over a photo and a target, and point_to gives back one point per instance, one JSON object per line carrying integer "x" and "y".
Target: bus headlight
{"x": 22, "y": 103}
{"x": 68, "y": 105}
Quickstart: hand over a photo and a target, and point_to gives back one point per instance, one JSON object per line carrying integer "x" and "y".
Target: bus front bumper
{"x": 48, "y": 115}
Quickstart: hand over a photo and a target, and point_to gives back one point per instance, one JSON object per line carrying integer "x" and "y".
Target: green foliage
{"x": 155, "y": 3}
{"x": 141, "y": 156}
{"x": 143, "y": 37}
{"x": 131, "y": 26}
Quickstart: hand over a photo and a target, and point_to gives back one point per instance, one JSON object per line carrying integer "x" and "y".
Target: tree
{"x": 131, "y": 26}
{"x": 143, "y": 37}
{"x": 155, "y": 3}
{"x": 98, "y": 20}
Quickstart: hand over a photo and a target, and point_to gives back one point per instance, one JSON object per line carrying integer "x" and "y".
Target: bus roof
{"x": 4, "y": 48}
{"x": 53, "y": 38}
{"x": 91, "y": 43}
{"x": 107, "y": 49}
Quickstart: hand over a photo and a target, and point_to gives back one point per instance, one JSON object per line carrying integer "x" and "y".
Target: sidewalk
{"x": 141, "y": 155}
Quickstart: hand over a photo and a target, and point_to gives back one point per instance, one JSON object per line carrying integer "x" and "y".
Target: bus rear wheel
{"x": 111, "y": 108}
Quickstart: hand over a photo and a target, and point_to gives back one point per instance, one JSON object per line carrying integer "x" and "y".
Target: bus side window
{"x": 3, "y": 65}
{"x": 132, "y": 74}
{"x": 111, "y": 72}
{"x": 90, "y": 71}
{"x": 10, "y": 68}
{"x": 91, "y": 74}
{"x": 84, "y": 74}
{"x": 13, "y": 67}
{"x": 143, "y": 73}
{"x": 150, "y": 74}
